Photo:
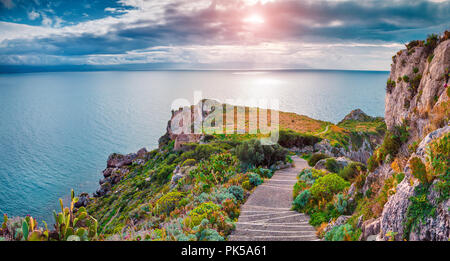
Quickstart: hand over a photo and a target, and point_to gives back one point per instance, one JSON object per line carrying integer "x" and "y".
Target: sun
{"x": 254, "y": 19}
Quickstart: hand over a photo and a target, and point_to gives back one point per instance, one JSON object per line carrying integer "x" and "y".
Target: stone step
{"x": 290, "y": 217}
{"x": 249, "y": 207}
{"x": 266, "y": 233}
{"x": 273, "y": 238}
{"x": 304, "y": 226}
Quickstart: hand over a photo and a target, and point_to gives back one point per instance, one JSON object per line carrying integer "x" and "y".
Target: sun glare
{"x": 254, "y": 19}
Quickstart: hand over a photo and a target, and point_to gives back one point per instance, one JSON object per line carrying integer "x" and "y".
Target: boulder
{"x": 118, "y": 160}
{"x": 338, "y": 222}
{"x": 83, "y": 200}
{"x": 370, "y": 228}
{"x": 341, "y": 161}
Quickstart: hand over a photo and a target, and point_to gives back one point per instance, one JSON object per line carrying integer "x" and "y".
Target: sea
{"x": 58, "y": 128}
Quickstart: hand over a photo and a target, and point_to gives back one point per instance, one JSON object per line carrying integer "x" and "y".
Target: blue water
{"x": 57, "y": 129}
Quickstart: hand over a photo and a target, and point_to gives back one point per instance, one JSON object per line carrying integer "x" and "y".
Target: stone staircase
{"x": 267, "y": 214}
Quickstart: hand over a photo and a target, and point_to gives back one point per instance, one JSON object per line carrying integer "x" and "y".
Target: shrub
{"x": 432, "y": 41}
{"x": 252, "y": 154}
{"x": 415, "y": 70}
{"x": 405, "y": 78}
{"x": 315, "y": 158}
{"x": 163, "y": 173}
{"x": 419, "y": 170}
{"x": 302, "y": 200}
{"x": 231, "y": 208}
{"x": 352, "y": 170}
{"x": 289, "y": 139}
{"x": 340, "y": 233}
{"x": 168, "y": 202}
{"x": 263, "y": 172}
{"x": 341, "y": 204}
{"x": 415, "y": 82}
{"x": 390, "y": 85}
{"x": 418, "y": 210}
{"x": 189, "y": 162}
{"x": 246, "y": 185}
{"x": 237, "y": 192}
{"x": 325, "y": 187}
{"x": 217, "y": 169}
{"x": 200, "y": 151}
{"x": 331, "y": 165}
{"x": 255, "y": 179}
{"x": 399, "y": 177}
{"x": 439, "y": 161}
{"x": 318, "y": 218}
{"x": 203, "y": 211}
{"x": 209, "y": 234}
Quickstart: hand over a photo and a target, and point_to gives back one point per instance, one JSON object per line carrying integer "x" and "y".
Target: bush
{"x": 163, "y": 173}
{"x": 237, "y": 192}
{"x": 203, "y": 211}
{"x": 209, "y": 234}
{"x": 405, "y": 78}
{"x": 289, "y": 139}
{"x": 317, "y": 218}
{"x": 315, "y": 158}
{"x": 325, "y": 187}
{"x": 341, "y": 204}
{"x": 246, "y": 185}
{"x": 168, "y": 202}
{"x": 331, "y": 165}
{"x": 255, "y": 179}
{"x": 415, "y": 82}
{"x": 216, "y": 170}
{"x": 340, "y": 233}
{"x": 390, "y": 85}
{"x": 200, "y": 151}
{"x": 352, "y": 170}
{"x": 419, "y": 170}
{"x": 189, "y": 162}
{"x": 302, "y": 200}
{"x": 252, "y": 153}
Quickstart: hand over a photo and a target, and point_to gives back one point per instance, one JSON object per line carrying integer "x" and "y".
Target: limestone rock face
{"x": 395, "y": 210}
{"x": 370, "y": 228}
{"x": 420, "y": 88}
{"x": 362, "y": 154}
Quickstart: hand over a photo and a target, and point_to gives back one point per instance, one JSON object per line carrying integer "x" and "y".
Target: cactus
{"x": 70, "y": 225}
{"x": 5, "y": 222}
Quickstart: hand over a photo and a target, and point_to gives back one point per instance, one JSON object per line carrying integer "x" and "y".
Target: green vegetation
{"x": 332, "y": 165}
{"x": 405, "y": 78}
{"x": 390, "y": 85}
{"x": 316, "y": 158}
{"x": 352, "y": 170}
{"x": 390, "y": 146}
{"x": 252, "y": 153}
{"x": 289, "y": 139}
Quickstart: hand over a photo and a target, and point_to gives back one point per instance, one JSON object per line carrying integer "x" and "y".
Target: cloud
{"x": 8, "y": 3}
{"x": 295, "y": 33}
{"x": 33, "y": 15}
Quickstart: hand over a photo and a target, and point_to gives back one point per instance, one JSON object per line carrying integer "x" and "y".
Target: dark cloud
{"x": 307, "y": 21}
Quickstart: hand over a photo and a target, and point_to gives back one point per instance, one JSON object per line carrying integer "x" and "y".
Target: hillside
{"x": 370, "y": 178}
{"x": 403, "y": 192}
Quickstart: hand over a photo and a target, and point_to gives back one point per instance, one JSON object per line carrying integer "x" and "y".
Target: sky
{"x": 212, "y": 34}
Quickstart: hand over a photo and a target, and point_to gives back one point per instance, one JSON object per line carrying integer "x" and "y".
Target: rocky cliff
{"x": 417, "y": 101}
